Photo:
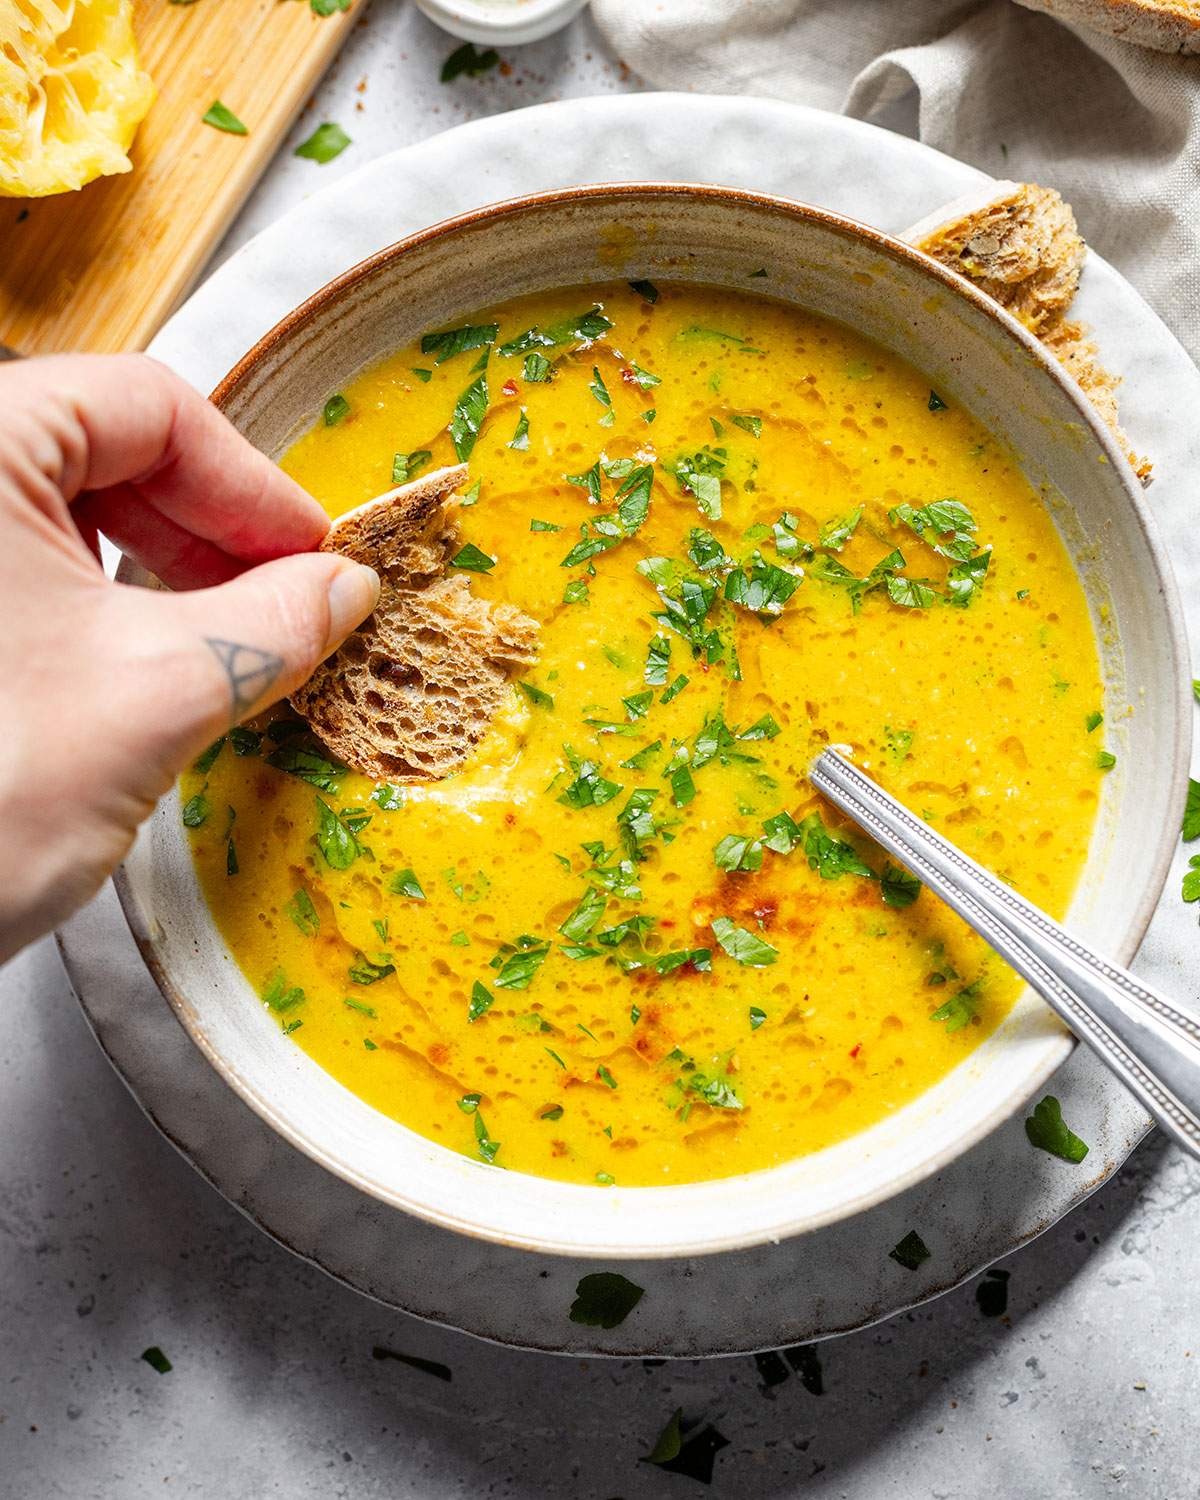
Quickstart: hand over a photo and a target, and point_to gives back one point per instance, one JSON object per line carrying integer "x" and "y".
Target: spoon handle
{"x": 1153, "y": 1048}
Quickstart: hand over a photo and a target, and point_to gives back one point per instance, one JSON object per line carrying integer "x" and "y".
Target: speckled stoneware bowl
{"x": 973, "y": 353}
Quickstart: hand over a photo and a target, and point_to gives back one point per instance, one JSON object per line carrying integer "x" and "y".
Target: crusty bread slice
{"x": 413, "y": 690}
{"x": 1019, "y": 243}
{"x": 1016, "y": 241}
{"x": 1164, "y": 25}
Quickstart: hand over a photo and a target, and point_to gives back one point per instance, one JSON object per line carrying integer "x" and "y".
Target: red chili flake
{"x": 856, "y": 1049}
{"x": 628, "y": 376}
{"x": 509, "y": 388}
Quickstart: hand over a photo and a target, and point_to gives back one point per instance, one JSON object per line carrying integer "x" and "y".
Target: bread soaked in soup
{"x": 625, "y": 943}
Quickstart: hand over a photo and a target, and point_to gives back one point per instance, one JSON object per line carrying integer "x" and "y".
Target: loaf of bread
{"x": 1019, "y": 243}
{"x": 412, "y": 691}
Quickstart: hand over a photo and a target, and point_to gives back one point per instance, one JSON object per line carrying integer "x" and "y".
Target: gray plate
{"x": 991, "y": 1200}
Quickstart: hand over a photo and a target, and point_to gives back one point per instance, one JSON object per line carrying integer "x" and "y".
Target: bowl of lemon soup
{"x": 768, "y": 480}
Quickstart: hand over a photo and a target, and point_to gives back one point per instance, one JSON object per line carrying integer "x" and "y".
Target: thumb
{"x": 210, "y": 658}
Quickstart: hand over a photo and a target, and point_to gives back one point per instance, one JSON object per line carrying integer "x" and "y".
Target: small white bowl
{"x": 492, "y": 23}
{"x": 974, "y": 353}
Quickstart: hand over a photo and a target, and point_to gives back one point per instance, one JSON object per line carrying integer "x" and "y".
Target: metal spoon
{"x": 1153, "y": 1048}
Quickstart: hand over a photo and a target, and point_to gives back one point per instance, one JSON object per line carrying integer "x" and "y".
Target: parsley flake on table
{"x": 604, "y": 1299}
{"x": 156, "y": 1359}
{"x": 467, "y": 61}
{"x": 220, "y": 117}
{"x": 911, "y": 1252}
{"x": 327, "y": 141}
{"x": 1047, "y": 1130}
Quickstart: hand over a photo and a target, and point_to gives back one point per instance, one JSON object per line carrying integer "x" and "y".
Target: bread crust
{"x": 1161, "y": 25}
{"x": 414, "y": 689}
{"x": 1019, "y": 243}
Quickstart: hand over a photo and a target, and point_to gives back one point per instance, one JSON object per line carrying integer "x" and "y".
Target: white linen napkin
{"x": 1114, "y": 128}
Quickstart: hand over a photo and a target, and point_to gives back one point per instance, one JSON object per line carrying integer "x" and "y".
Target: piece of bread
{"x": 1164, "y": 25}
{"x": 409, "y": 695}
{"x": 1019, "y": 243}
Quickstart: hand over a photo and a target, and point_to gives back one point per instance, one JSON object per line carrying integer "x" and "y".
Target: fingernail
{"x": 353, "y": 594}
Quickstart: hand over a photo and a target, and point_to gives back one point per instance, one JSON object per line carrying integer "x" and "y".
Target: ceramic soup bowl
{"x": 974, "y": 354}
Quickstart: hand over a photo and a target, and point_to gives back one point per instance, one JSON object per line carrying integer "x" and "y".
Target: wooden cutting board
{"x": 102, "y": 269}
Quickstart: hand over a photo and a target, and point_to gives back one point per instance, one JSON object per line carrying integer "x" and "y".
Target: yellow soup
{"x": 627, "y": 944}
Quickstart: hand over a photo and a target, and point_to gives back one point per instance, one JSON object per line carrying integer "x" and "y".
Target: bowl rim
{"x": 1056, "y": 1048}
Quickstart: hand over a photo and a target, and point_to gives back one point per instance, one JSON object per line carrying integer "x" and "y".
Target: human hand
{"x": 106, "y": 691}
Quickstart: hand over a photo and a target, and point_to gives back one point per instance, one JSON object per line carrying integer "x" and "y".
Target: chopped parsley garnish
{"x": 555, "y": 1112}
{"x": 700, "y": 474}
{"x": 389, "y": 796}
{"x": 204, "y": 763}
{"x": 936, "y": 403}
{"x": 1105, "y": 760}
{"x": 959, "y": 1010}
{"x": 744, "y": 947}
{"x": 517, "y": 963}
{"x": 658, "y": 660}
{"x": 1048, "y": 1132}
{"x": 835, "y": 533}
{"x": 365, "y": 971}
{"x": 536, "y": 695}
{"x": 646, "y": 290}
{"x": 220, "y": 117}
{"x": 642, "y": 758}
{"x": 645, "y": 380}
{"x": 520, "y": 438}
{"x": 1093, "y": 720}
{"x": 468, "y": 61}
{"x": 764, "y": 588}
{"x": 752, "y": 425}
{"x": 484, "y": 1144}
{"x": 898, "y": 887}
{"x": 536, "y": 525}
{"x": 589, "y": 788}
{"x": 303, "y": 913}
{"x": 576, "y": 592}
{"x": 736, "y": 852}
{"x": 335, "y": 410}
{"x": 406, "y": 465}
{"x": 405, "y": 883}
{"x": 911, "y": 1252}
{"x": 586, "y": 915}
{"x": 280, "y": 996}
{"x": 605, "y": 1298}
{"x": 245, "y": 741}
{"x": 471, "y": 559}
{"x": 469, "y": 411}
{"x": 334, "y": 839}
{"x": 481, "y": 1001}
{"x": 326, "y": 142}
{"x": 196, "y": 810}
{"x": 605, "y": 1076}
{"x": 830, "y": 857}
{"x": 536, "y": 369}
{"x": 579, "y": 327}
{"x": 757, "y": 1017}
{"x": 452, "y": 341}
{"x": 299, "y": 761}
{"x": 363, "y": 1010}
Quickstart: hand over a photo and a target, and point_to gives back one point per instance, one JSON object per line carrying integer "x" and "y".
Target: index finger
{"x": 127, "y": 422}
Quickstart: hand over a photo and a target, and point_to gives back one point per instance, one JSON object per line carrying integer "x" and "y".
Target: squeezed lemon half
{"x": 71, "y": 93}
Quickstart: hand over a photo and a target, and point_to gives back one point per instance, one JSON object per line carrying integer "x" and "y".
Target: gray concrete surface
{"x": 110, "y": 1243}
